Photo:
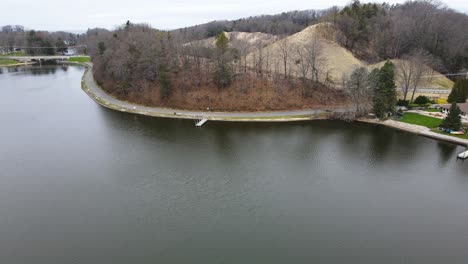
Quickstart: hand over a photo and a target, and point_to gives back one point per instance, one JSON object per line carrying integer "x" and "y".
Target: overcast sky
{"x": 80, "y": 15}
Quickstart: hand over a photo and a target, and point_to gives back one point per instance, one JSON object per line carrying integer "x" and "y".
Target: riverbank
{"x": 103, "y": 98}
{"x": 415, "y": 129}
{"x": 17, "y": 64}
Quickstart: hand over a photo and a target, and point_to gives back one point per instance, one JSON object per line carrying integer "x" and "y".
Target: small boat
{"x": 457, "y": 133}
{"x": 463, "y": 155}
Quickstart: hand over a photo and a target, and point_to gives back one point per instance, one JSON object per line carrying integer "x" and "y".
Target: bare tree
{"x": 405, "y": 71}
{"x": 285, "y": 50}
{"x": 410, "y": 70}
{"x": 359, "y": 90}
{"x": 303, "y": 64}
{"x": 314, "y": 55}
{"x": 419, "y": 59}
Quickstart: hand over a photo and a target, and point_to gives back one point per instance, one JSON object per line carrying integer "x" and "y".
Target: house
{"x": 463, "y": 107}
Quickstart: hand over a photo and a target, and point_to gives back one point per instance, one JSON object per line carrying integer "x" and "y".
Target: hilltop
{"x": 247, "y": 40}
{"x": 335, "y": 62}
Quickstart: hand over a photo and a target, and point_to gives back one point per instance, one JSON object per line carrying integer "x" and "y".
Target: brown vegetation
{"x": 250, "y": 93}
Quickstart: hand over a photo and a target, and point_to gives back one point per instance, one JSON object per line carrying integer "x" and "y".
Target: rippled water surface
{"x": 83, "y": 184}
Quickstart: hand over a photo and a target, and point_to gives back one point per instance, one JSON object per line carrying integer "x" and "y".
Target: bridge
{"x": 38, "y": 58}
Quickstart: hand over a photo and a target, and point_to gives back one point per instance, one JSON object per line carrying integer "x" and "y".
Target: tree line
{"x": 34, "y": 42}
{"x": 382, "y": 31}
{"x": 372, "y": 31}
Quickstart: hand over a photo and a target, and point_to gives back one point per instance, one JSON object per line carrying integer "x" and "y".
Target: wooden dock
{"x": 463, "y": 155}
{"x": 201, "y": 122}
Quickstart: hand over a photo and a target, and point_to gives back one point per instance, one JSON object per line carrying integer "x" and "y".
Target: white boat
{"x": 463, "y": 155}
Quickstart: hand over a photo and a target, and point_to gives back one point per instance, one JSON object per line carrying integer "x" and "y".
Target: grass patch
{"x": 432, "y": 110}
{"x": 79, "y": 59}
{"x": 7, "y": 62}
{"x": 15, "y": 54}
{"x": 416, "y": 119}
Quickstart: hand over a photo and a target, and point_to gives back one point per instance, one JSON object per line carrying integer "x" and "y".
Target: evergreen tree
{"x": 223, "y": 74}
{"x": 453, "y": 119}
{"x": 385, "y": 94}
{"x": 101, "y": 47}
{"x": 222, "y": 42}
{"x": 61, "y": 46}
{"x": 164, "y": 70}
{"x": 459, "y": 93}
{"x": 164, "y": 81}
{"x": 48, "y": 49}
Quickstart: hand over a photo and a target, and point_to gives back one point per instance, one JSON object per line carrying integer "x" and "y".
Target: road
{"x": 429, "y": 90}
{"x": 106, "y": 100}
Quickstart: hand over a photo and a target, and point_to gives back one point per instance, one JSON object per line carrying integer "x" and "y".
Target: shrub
{"x": 402, "y": 103}
{"x": 440, "y": 101}
{"x": 422, "y": 100}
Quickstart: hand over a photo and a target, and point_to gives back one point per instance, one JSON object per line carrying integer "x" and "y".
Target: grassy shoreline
{"x": 429, "y": 122}
{"x": 420, "y": 120}
{"x": 80, "y": 59}
{"x": 5, "y": 62}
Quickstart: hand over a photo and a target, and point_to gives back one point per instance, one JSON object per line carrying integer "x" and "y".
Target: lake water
{"x": 83, "y": 184}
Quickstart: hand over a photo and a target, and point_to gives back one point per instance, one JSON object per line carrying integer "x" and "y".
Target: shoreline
{"x": 90, "y": 87}
{"x": 101, "y": 97}
{"x": 18, "y": 64}
{"x": 415, "y": 129}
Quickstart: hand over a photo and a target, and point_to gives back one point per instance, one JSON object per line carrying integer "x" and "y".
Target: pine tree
{"x": 459, "y": 92}
{"x": 453, "y": 119}
{"x": 101, "y": 47}
{"x": 61, "y": 46}
{"x": 223, "y": 74}
{"x": 222, "y": 42}
{"x": 164, "y": 81}
{"x": 385, "y": 94}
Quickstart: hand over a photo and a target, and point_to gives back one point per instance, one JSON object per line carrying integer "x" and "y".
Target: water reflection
{"x": 446, "y": 152}
{"x": 39, "y": 69}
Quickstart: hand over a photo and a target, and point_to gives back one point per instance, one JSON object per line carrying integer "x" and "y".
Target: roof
{"x": 463, "y": 107}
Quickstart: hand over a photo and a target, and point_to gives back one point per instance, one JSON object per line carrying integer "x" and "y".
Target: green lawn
{"x": 79, "y": 59}
{"x": 7, "y": 62}
{"x": 432, "y": 110}
{"x": 416, "y": 119}
{"x": 16, "y": 53}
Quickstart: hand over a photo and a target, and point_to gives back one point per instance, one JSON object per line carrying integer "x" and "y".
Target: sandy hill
{"x": 334, "y": 59}
{"x": 246, "y": 40}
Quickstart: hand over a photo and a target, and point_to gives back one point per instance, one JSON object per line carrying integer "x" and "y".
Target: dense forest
{"x": 176, "y": 68}
{"x": 16, "y": 37}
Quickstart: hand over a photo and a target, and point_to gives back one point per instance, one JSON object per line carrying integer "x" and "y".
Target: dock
{"x": 201, "y": 122}
{"x": 463, "y": 155}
